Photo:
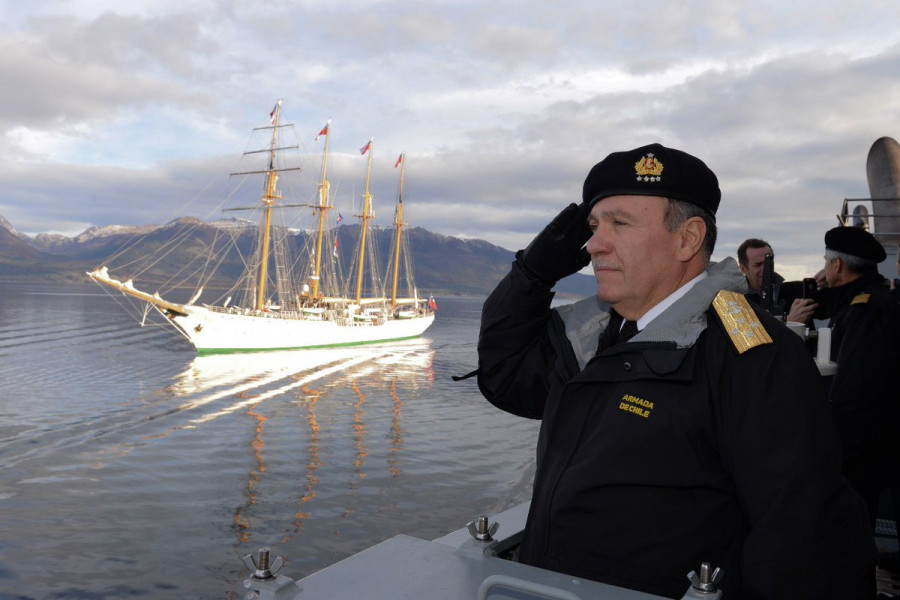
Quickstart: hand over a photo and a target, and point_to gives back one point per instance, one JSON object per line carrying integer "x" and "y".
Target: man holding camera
{"x": 752, "y": 261}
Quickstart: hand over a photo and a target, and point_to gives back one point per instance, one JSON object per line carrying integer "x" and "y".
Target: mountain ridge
{"x": 442, "y": 264}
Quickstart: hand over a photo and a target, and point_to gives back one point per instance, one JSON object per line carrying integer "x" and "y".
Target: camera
{"x": 810, "y": 288}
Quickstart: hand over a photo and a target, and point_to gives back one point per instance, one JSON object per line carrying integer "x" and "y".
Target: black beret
{"x": 654, "y": 170}
{"x": 855, "y": 241}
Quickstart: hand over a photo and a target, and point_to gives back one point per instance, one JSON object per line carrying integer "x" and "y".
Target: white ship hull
{"x": 215, "y": 330}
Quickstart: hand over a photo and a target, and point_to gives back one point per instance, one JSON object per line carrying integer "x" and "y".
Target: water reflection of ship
{"x": 221, "y": 375}
{"x": 241, "y": 521}
{"x": 396, "y": 434}
{"x": 400, "y": 369}
{"x": 310, "y": 399}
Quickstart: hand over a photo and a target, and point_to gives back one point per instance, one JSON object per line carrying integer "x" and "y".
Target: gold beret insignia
{"x": 648, "y": 168}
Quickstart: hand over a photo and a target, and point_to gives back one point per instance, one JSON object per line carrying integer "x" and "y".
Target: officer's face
{"x": 756, "y": 260}
{"x": 635, "y": 258}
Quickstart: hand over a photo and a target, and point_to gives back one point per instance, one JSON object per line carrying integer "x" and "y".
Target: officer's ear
{"x": 839, "y": 266}
{"x": 692, "y": 235}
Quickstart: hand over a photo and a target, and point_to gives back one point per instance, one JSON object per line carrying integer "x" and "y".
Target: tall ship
{"x": 289, "y": 298}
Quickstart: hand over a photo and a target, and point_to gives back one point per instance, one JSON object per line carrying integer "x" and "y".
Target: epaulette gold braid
{"x": 740, "y": 322}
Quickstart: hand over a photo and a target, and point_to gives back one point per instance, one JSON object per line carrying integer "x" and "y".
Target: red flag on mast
{"x": 365, "y": 148}
{"x": 399, "y": 160}
{"x": 323, "y": 132}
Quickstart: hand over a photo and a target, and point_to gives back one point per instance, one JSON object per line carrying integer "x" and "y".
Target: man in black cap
{"x": 865, "y": 343}
{"x": 705, "y": 437}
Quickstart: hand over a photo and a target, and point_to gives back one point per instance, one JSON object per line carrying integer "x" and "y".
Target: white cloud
{"x": 502, "y": 108}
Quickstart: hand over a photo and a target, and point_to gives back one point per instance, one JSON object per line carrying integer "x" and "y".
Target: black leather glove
{"x": 558, "y": 250}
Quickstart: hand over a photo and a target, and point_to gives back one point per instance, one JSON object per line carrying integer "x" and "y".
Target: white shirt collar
{"x": 668, "y": 301}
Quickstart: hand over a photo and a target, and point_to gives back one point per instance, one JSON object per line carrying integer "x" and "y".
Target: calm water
{"x": 130, "y": 467}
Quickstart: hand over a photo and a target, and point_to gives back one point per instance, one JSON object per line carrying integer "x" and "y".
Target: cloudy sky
{"x": 124, "y": 112}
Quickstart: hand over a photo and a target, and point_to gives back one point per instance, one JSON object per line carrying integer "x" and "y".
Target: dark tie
{"x": 629, "y": 329}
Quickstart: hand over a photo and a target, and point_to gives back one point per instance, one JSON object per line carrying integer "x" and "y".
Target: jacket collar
{"x": 681, "y": 323}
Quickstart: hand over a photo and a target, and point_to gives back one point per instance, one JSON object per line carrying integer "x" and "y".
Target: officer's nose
{"x": 598, "y": 243}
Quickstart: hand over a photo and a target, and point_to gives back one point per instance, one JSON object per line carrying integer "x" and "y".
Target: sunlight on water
{"x": 209, "y": 379}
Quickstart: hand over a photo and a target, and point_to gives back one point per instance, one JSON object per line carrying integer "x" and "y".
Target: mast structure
{"x": 366, "y": 217}
{"x": 398, "y": 224}
{"x": 268, "y": 200}
{"x": 323, "y": 207}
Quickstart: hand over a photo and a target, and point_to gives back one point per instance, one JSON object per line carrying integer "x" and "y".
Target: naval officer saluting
{"x": 704, "y": 437}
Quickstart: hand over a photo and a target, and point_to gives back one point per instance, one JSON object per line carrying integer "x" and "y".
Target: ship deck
{"x": 457, "y": 566}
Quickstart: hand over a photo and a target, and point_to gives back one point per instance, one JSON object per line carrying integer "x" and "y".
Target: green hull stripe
{"x": 210, "y": 351}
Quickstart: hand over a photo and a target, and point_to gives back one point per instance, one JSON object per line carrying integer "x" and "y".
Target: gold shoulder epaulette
{"x": 860, "y": 299}
{"x": 741, "y": 323}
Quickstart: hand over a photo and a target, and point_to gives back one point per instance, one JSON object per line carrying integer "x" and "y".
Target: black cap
{"x": 855, "y": 241}
{"x": 654, "y": 170}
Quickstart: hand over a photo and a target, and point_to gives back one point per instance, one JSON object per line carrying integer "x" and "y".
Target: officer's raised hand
{"x": 558, "y": 251}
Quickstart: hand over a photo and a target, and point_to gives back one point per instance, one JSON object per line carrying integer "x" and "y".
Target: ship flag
{"x": 365, "y": 148}
{"x": 323, "y": 132}
{"x": 431, "y": 302}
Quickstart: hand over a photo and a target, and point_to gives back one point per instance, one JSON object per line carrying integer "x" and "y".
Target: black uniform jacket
{"x": 865, "y": 343}
{"x": 674, "y": 449}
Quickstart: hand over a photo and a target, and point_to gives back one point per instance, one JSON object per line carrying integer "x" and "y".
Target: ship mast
{"x": 364, "y": 225}
{"x": 398, "y": 224}
{"x": 322, "y": 207}
{"x": 268, "y": 200}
